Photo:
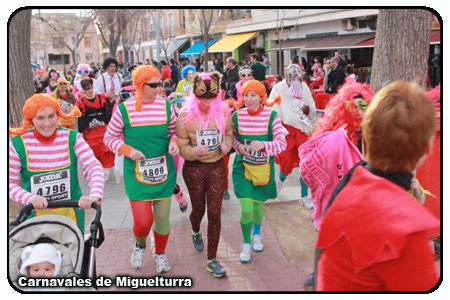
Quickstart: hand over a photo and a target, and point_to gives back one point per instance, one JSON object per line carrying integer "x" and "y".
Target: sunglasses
{"x": 246, "y": 75}
{"x": 85, "y": 72}
{"x": 154, "y": 85}
{"x": 126, "y": 95}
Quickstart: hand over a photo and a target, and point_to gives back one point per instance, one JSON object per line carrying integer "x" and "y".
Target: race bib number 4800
{"x": 152, "y": 170}
{"x": 209, "y": 137}
{"x": 53, "y": 185}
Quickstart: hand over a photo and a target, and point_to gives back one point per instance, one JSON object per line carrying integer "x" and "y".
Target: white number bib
{"x": 53, "y": 185}
{"x": 209, "y": 137}
{"x": 304, "y": 119}
{"x": 66, "y": 107}
{"x": 256, "y": 157}
{"x": 187, "y": 88}
{"x": 152, "y": 170}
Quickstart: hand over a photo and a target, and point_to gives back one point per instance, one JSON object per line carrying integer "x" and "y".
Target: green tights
{"x": 252, "y": 214}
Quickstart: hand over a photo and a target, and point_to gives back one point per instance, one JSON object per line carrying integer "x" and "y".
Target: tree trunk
{"x": 20, "y": 83}
{"x": 401, "y": 47}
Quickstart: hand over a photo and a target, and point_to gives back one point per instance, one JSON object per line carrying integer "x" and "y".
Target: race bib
{"x": 152, "y": 170}
{"x": 53, "y": 185}
{"x": 66, "y": 107}
{"x": 256, "y": 157}
{"x": 187, "y": 88}
{"x": 209, "y": 137}
{"x": 304, "y": 119}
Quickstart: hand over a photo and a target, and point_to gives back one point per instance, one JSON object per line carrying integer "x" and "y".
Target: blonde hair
{"x": 397, "y": 127}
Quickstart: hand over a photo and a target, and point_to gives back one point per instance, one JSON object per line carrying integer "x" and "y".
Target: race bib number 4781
{"x": 209, "y": 137}
{"x": 53, "y": 185}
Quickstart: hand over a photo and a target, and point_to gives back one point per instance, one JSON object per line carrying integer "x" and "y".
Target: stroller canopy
{"x": 58, "y": 230}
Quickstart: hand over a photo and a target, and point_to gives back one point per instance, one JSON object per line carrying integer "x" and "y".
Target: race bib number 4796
{"x": 53, "y": 185}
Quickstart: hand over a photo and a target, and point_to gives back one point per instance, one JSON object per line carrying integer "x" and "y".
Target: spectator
{"x": 266, "y": 63}
{"x": 326, "y": 69}
{"x": 230, "y": 78}
{"x": 259, "y": 70}
{"x": 198, "y": 65}
{"x": 296, "y": 61}
{"x": 341, "y": 61}
{"x": 174, "y": 72}
{"x": 316, "y": 66}
{"x": 131, "y": 69}
{"x": 320, "y": 75}
{"x": 165, "y": 70}
{"x": 304, "y": 63}
{"x": 336, "y": 77}
{"x": 218, "y": 65}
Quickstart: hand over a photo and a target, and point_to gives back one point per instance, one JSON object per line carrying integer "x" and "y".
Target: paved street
{"x": 268, "y": 271}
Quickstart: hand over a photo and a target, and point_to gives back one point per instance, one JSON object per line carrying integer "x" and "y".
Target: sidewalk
{"x": 268, "y": 270}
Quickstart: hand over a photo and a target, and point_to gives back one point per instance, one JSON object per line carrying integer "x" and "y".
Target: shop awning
{"x": 231, "y": 42}
{"x": 435, "y": 38}
{"x": 296, "y": 43}
{"x": 339, "y": 41}
{"x": 196, "y": 49}
{"x": 174, "y": 46}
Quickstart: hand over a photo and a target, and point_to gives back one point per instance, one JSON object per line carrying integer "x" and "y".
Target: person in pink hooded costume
{"x": 83, "y": 71}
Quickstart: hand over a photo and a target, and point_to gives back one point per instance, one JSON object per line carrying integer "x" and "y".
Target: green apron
{"x": 254, "y": 178}
{"x": 59, "y": 184}
{"x": 152, "y": 178}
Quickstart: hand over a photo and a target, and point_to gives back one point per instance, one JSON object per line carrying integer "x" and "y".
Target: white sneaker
{"x": 106, "y": 173}
{"x": 306, "y": 202}
{"x": 117, "y": 175}
{"x": 245, "y": 254}
{"x": 137, "y": 258}
{"x": 162, "y": 264}
{"x": 257, "y": 245}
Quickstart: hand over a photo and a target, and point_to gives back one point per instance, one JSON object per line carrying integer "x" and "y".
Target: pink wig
{"x": 342, "y": 110}
{"x": 216, "y": 110}
{"x": 83, "y": 67}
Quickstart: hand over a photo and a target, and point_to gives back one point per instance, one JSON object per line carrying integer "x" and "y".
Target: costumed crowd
{"x": 357, "y": 156}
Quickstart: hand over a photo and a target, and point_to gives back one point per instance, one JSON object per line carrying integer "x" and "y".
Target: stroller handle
{"x": 27, "y": 209}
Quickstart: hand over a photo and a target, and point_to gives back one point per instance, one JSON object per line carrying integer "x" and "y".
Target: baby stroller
{"x": 77, "y": 255}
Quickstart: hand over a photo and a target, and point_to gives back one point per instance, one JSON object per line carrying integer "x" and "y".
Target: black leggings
{"x": 206, "y": 184}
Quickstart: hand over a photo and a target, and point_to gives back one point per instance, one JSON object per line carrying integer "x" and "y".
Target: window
{"x": 88, "y": 56}
{"x": 144, "y": 29}
{"x": 58, "y": 59}
{"x": 87, "y": 42}
{"x": 58, "y": 42}
{"x": 152, "y": 29}
{"x": 183, "y": 19}
{"x": 170, "y": 23}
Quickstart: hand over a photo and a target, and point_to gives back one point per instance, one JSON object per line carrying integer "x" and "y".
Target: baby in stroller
{"x": 59, "y": 242}
{"x": 41, "y": 261}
